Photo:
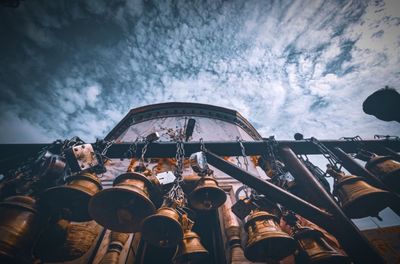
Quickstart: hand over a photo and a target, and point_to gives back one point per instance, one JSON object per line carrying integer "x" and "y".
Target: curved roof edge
{"x": 155, "y": 111}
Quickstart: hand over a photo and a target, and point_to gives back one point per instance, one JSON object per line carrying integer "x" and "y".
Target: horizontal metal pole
{"x": 270, "y": 190}
{"x": 12, "y": 154}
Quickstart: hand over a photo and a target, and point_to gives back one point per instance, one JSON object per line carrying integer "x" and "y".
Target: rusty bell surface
{"x": 358, "y": 199}
{"x": 72, "y": 199}
{"x": 123, "y": 207}
{"x": 163, "y": 228}
{"x": 207, "y": 195}
{"x": 266, "y": 240}
{"x": 19, "y": 227}
{"x": 314, "y": 249}
{"x": 387, "y": 169}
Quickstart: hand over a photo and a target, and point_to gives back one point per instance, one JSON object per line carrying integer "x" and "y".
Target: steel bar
{"x": 355, "y": 168}
{"x": 354, "y": 243}
{"x": 12, "y": 154}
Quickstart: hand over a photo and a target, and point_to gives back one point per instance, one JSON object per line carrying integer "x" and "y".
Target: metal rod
{"x": 355, "y": 168}
{"x": 279, "y": 195}
{"x": 13, "y": 154}
{"x": 354, "y": 243}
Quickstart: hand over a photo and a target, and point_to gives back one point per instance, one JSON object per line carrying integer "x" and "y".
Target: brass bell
{"x": 117, "y": 242}
{"x": 358, "y": 199}
{"x": 163, "y": 228}
{"x": 72, "y": 199}
{"x": 190, "y": 249}
{"x": 314, "y": 249}
{"x": 266, "y": 240}
{"x": 207, "y": 195}
{"x": 387, "y": 169}
{"x": 63, "y": 240}
{"x": 19, "y": 227}
{"x": 123, "y": 207}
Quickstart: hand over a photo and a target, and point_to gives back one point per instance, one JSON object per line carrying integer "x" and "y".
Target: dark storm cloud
{"x": 77, "y": 67}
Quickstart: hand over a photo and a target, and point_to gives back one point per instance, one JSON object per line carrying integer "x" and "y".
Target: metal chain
{"x": 144, "y": 150}
{"x": 107, "y": 146}
{"x": 202, "y": 145}
{"x": 246, "y": 165}
{"x": 327, "y": 153}
{"x": 271, "y": 152}
{"x": 176, "y": 194}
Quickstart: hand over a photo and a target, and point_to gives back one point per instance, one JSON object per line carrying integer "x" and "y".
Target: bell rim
{"x": 333, "y": 258}
{"x": 251, "y": 250}
{"x": 32, "y": 206}
{"x": 350, "y": 207}
{"x": 177, "y": 227}
{"x": 134, "y": 227}
{"x": 59, "y": 195}
{"x": 219, "y": 193}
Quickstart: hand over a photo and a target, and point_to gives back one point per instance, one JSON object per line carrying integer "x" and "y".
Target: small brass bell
{"x": 314, "y": 249}
{"x": 207, "y": 195}
{"x": 266, "y": 240}
{"x": 19, "y": 227}
{"x": 190, "y": 249}
{"x": 358, "y": 199}
{"x": 123, "y": 207}
{"x": 387, "y": 169}
{"x": 163, "y": 228}
{"x": 72, "y": 199}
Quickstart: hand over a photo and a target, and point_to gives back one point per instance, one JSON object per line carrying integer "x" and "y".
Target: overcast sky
{"x": 76, "y": 67}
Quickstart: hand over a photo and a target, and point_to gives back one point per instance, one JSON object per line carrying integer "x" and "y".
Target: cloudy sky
{"x": 76, "y": 67}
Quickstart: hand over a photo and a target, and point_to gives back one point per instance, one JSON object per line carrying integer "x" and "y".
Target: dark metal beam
{"x": 354, "y": 243}
{"x": 12, "y": 154}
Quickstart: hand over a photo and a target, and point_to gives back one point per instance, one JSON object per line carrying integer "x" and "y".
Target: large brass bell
{"x": 315, "y": 249}
{"x": 358, "y": 199}
{"x": 163, "y": 228}
{"x": 387, "y": 169}
{"x": 19, "y": 227}
{"x": 63, "y": 240}
{"x": 266, "y": 240}
{"x": 207, "y": 195}
{"x": 73, "y": 198}
{"x": 123, "y": 207}
{"x": 190, "y": 249}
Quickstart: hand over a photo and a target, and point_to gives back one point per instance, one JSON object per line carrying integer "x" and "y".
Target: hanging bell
{"x": 19, "y": 227}
{"x": 123, "y": 207}
{"x": 387, "y": 169}
{"x": 163, "y": 228}
{"x": 266, "y": 240}
{"x": 73, "y": 198}
{"x": 314, "y": 249}
{"x": 63, "y": 240}
{"x": 190, "y": 249}
{"x": 358, "y": 199}
{"x": 207, "y": 195}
